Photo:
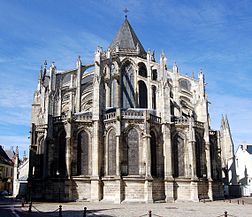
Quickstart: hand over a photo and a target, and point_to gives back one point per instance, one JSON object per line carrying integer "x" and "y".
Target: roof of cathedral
{"x": 126, "y": 39}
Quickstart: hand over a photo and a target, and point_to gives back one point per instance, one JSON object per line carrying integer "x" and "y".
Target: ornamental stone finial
{"x": 126, "y": 11}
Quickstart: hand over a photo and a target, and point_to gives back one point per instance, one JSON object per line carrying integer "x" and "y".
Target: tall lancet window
{"x": 178, "y": 155}
{"x": 131, "y": 153}
{"x": 143, "y": 103}
{"x": 153, "y": 154}
{"x": 83, "y": 153}
{"x": 142, "y": 70}
{"x": 200, "y": 170}
{"x": 154, "y": 97}
{"x": 111, "y": 152}
{"x": 62, "y": 153}
{"x": 128, "y": 92}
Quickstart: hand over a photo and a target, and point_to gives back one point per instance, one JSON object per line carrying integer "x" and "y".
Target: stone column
{"x": 147, "y": 148}
{"x": 95, "y": 180}
{"x": 68, "y": 148}
{"x": 108, "y": 96}
{"x": 209, "y": 177}
{"x": 118, "y": 93}
{"x": 192, "y": 157}
{"x": 167, "y": 147}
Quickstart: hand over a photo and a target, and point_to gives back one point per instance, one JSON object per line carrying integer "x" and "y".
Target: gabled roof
{"x": 126, "y": 39}
{"x": 4, "y": 159}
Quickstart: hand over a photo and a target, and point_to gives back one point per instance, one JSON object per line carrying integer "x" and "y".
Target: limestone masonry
{"x": 124, "y": 128}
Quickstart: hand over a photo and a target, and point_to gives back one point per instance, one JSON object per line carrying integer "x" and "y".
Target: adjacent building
{"x": 20, "y": 178}
{"x": 123, "y": 128}
{"x": 6, "y": 172}
{"x": 243, "y": 161}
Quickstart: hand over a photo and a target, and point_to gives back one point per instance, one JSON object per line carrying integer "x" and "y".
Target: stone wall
{"x": 158, "y": 190}
{"x": 81, "y": 189}
{"x": 134, "y": 190}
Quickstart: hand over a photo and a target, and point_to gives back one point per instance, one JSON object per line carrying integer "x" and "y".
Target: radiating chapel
{"x": 123, "y": 128}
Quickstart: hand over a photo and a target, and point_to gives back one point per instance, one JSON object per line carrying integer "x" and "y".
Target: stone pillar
{"x": 68, "y": 156}
{"x": 68, "y": 147}
{"x": 148, "y": 190}
{"x": 167, "y": 147}
{"x": 147, "y": 148}
{"x": 108, "y": 96}
{"x": 192, "y": 159}
{"x": 118, "y": 159}
{"x": 209, "y": 177}
{"x": 118, "y": 94}
{"x": 194, "y": 178}
{"x": 95, "y": 180}
{"x": 118, "y": 195}
{"x": 194, "y": 191}
{"x": 78, "y": 85}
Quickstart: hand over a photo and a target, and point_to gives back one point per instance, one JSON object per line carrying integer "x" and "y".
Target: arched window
{"x": 143, "y": 103}
{"x": 185, "y": 84}
{"x": 178, "y": 155}
{"x": 154, "y": 74}
{"x": 128, "y": 93}
{"x": 62, "y": 153}
{"x": 153, "y": 144}
{"x": 131, "y": 153}
{"x": 112, "y": 152}
{"x": 142, "y": 70}
{"x": 83, "y": 153}
{"x": 154, "y": 97}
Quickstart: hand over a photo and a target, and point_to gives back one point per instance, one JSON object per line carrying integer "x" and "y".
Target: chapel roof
{"x": 126, "y": 39}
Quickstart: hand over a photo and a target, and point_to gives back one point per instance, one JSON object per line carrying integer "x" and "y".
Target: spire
{"x": 126, "y": 40}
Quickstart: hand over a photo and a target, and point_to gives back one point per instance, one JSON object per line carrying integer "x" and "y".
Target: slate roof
{"x": 249, "y": 149}
{"x": 126, "y": 39}
{"x": 4, "y": 159}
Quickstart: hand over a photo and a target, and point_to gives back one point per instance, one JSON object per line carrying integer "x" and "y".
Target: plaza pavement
{"x": 176, "y": 209}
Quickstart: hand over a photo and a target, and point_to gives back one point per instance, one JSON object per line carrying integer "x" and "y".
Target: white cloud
{"x": 15, "y": 97}
{"x": 15, "y": 116}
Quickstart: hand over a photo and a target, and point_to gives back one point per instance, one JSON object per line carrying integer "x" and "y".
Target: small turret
{"x": 78, "y": 62}
{"x": 78, "y": 84}
{"x": 163, "y": 66}
{"x": 52, "y": 77}
{"x": 175, "y": 68}
{"x": 45, "y": 69}
{"x": 201, "y": 83}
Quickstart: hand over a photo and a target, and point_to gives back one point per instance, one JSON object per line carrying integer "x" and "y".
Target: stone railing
{"x": 180, "y": 120}
{"x": 58, "y": 119}
{"x": 83, "y": 117}
{"x": 110, "y": 116}
{"x": 132, "y": 114}
{"x": 155, "y": 119}
{"x": 199, "y": 124}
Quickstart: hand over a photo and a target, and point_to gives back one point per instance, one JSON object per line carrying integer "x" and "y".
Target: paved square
{"x": 178, "y": 209}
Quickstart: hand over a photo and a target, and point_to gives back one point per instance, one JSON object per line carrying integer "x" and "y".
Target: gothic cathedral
{"x": 123, "y": 128}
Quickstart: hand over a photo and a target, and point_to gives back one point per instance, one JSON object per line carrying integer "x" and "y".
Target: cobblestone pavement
{"x": 178, "y": 209}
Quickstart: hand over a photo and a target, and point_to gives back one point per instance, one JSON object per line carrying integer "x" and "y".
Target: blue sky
{"x": 211, "y": 35}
